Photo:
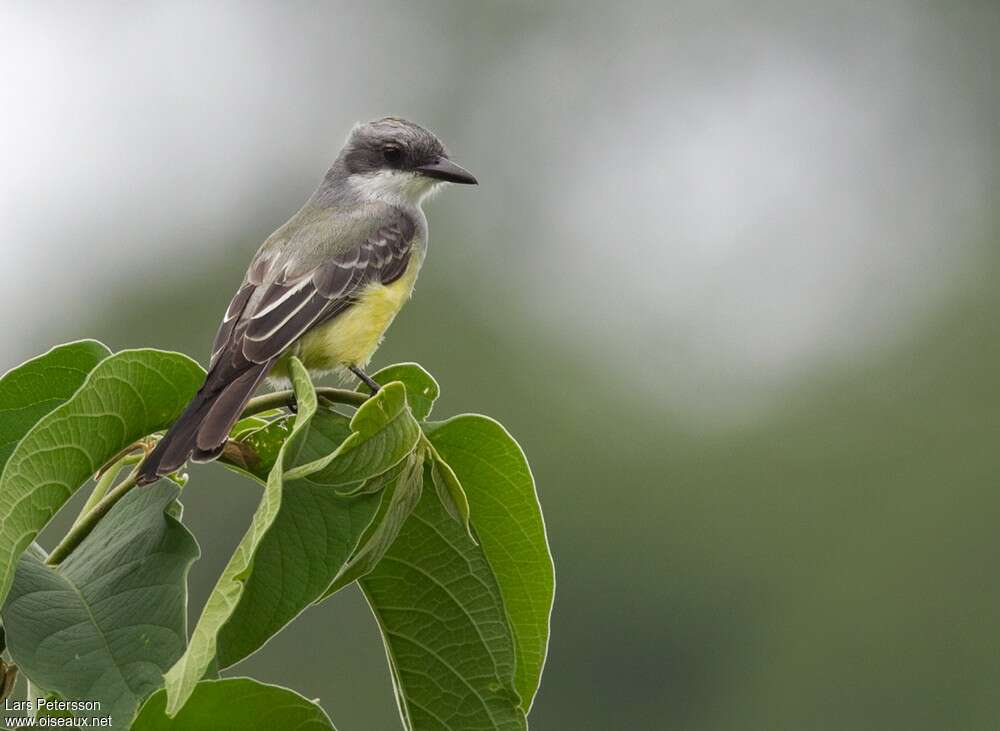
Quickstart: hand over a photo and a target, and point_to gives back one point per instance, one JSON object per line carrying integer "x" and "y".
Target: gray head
{"x": 393, "y": 159}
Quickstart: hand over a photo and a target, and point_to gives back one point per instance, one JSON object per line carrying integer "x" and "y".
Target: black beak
{"x": 445, "y": 169}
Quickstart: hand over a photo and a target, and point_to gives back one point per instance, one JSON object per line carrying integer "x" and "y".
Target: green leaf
{"x": 52, "y": 712}
{"x": 400, "y": 491}
{"x": 127, "y": 396}
{"x": 109, "y": 620}
{"x": 421, "y": 393}
{"x": 304, "y": 530}
{"x": 255, "y": 451}
{"x": 383, "y": 432}
{"x": 449, "y": 490}
{"x": 183, "y": 677}
{"x": 508, "y": 522}
{"x": 313, "y": 534}
{"x": 248, "y": 424}
{"x": 317, "y": 527}
{"x": 235, "y": 704}
{"x": 442, "y": 620}
{"x": 244, "y": 426}
{"x": 421, "y": 388}
{"x": 33, "y": 389}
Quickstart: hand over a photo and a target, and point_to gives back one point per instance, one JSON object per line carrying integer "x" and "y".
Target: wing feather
{"x": 282, "y": 297}
{"x": 233, "y": 313}
{"x": 271, "y": 310}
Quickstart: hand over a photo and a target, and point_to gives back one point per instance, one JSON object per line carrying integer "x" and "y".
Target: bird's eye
{"x": 392, "y": 154}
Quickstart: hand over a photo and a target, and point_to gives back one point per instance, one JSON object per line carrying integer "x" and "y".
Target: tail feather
{"x": 203, "y": 427}
{"x": 226, "y": 409}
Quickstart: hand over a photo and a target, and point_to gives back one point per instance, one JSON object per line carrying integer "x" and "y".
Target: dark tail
{"x": 202, "y": 429}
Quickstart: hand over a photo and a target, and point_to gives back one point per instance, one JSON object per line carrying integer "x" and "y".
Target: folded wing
{"x": 278, "y": 303}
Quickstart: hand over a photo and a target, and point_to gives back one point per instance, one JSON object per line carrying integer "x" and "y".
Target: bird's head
{"x": 392, "y": 158}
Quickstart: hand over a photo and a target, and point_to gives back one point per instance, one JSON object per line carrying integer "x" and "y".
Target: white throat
{"x": 396, "y": 187}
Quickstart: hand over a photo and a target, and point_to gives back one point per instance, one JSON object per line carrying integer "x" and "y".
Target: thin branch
{"x": 284, "y": 399}
{"x": 104, "y": 502}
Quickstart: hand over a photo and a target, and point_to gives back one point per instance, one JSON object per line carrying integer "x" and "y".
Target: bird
{"x": 324, "y": 287}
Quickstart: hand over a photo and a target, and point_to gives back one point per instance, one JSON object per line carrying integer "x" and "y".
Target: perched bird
{"x": 324, "y": 287}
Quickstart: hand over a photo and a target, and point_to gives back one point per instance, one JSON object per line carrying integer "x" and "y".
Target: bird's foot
{"x": 365, "y": 378}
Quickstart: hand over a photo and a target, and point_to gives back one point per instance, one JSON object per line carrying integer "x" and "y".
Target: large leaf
{"x": 401, "y": 490}
{"x": 313, "y": 533}
{"x": 33, "y": 389}
{"x": 508, "y": 523}
{"x": 127, "y": 396}
{"x": 304, "y": 530}
{"x": 235, "y": 704}
{"x": 312, "y": 509}
{"x": 109, "y": 620}
{"x": 443, "y": 623}
{"x": 317, "y": 527}
{"x": 184, "y": 676}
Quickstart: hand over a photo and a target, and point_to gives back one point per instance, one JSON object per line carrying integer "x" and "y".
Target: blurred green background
{"x": 730, "y": 278}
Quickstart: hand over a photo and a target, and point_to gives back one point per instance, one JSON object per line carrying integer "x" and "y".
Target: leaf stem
{"x": 101, "y": 489}
{"x": 280, "y": 399}
{"x": 86, "y": 523}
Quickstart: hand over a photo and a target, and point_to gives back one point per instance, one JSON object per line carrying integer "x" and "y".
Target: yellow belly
{"x": 353, "y": 336}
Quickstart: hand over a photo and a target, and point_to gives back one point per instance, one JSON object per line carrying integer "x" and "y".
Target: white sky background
{"x": 727, "y": 199}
